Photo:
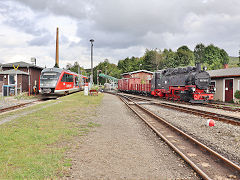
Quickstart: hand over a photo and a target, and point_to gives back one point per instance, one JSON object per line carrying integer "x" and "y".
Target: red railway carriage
{"x": 134, "y": 85}
{"x": 56, "y": 81}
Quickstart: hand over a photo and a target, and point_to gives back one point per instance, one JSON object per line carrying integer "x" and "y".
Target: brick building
{"x": 144, "y": 75}
{"x": 26, "y": 76}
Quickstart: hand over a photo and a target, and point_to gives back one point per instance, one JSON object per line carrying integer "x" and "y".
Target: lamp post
{"x": 140, "y": 66}
{"x": 91, "y": 77}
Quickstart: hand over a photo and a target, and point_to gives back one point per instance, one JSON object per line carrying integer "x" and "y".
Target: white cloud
{"x": 120, "y": 28}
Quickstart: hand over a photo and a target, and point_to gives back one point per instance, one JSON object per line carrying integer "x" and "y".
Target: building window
{"x": 12, "y": 79}
{"x": 1, "y": 78}
{"x": 213, "y": 83}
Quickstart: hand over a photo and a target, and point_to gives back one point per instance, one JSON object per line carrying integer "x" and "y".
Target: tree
{"x": 199, "y": 52}
{"x": 224, "y": 56}
{"x": 169, "y": 59}
{"x": 215, "y": 57}
{"x": 74, "y": 68}
{"x": 106, "y": 68}
{"x": 152, "y": 59}
{"x": 184, "y": 56}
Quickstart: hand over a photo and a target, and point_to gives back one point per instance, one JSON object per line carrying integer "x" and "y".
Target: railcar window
{"x": 64, "y": 78}
{"x": 67, "y": 78}
{"x": 49, "y": 75}
{"x": 70, "y": 78}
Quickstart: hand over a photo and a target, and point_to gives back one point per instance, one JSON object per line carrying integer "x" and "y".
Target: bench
{"x": 93, "y": 93}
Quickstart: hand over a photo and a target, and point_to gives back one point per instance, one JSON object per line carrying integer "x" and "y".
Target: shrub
{"x": 237, "y": 94}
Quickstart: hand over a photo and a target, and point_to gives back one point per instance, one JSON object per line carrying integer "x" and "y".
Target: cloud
{"x": 122, "y": 28}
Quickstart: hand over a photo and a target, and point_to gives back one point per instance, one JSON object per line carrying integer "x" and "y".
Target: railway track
{"x": 216, "y": 116}
{"x": 16, "y": 106}
{"x": 207, "y": 163}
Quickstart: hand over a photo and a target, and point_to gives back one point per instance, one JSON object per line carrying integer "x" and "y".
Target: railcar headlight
{"x": 214, "y": 89}
{"x": 193, "y": 89}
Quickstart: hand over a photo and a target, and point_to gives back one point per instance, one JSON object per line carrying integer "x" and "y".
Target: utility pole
{"x": 91, "y": 77}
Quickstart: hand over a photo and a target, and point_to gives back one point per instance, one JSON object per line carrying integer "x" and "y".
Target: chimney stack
{"x": 57, "y": 51}
{"x": 225, "y": 66}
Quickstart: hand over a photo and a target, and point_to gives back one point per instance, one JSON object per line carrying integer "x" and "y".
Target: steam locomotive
{"x": 57, "y": 81}
{"x": 190, "y": 84}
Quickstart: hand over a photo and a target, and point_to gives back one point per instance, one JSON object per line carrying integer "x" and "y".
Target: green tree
{"x": 169, "y": 59}
{"x": 152, "y": 60}
{"x": 214, "y": 57}
{"x": 184, "y": 56}
{"x": 129, "y": 64}
{"x": 224, "y": 56}
{"x": 199, "y": 52}
{"x": 106, "y": 68}
{"x": 74, "y": 68}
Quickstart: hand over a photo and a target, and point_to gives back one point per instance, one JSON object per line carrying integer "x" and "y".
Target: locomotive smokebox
{"x": 198, "y": 67}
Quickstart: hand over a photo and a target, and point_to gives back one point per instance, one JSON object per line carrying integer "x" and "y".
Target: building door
{"x": 228, "y": 90}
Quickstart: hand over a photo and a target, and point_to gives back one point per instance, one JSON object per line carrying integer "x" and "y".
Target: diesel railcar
{"x": 57, "y": 81}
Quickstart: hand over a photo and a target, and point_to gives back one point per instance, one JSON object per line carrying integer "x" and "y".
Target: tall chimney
{"x": 57, "y": 51}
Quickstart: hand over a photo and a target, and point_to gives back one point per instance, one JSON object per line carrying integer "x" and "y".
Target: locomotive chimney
{"x": 198, "y": 67}
{"x": 57, "y": 51}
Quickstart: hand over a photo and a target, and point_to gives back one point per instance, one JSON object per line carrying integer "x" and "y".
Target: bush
{"x": 237, "y": 94}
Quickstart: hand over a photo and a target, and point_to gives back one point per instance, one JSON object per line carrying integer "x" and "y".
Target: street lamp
{"x": 91, "y": 78}
{"x": 140, "y": 66}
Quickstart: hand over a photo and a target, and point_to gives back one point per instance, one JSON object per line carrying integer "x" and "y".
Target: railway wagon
{"x": 56, "y": 81}
{"x": 190, "y": 84}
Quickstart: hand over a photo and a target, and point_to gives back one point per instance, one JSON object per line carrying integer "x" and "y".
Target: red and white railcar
{"x": 56, "y": 81}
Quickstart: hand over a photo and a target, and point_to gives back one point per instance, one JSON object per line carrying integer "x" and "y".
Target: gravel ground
{"x": 214, "y": 110}
{"x": 123, "y": 147}
{"x": 11, "y": 101}
{"x": 224, "y": 138}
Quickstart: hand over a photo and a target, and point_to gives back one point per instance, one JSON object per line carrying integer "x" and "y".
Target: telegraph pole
{"x": 91, "y": 77}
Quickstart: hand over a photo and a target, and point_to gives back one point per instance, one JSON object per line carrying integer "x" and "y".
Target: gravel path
{"x": 123, "y": 147}
{"x": 224, "y": 138}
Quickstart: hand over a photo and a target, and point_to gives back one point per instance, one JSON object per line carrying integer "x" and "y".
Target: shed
{"x": 226, "y": 81}
{"x": 27, "y": 74}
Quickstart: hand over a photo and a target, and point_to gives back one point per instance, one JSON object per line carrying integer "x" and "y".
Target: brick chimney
{"x": 225, "y": 66}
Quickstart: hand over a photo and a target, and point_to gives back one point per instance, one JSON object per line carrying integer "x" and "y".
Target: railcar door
{"x": 228, "y": 90}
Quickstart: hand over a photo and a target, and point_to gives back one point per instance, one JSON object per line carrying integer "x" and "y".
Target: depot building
{"x": 226, "y": 81}
{"x": 20, "y": 76}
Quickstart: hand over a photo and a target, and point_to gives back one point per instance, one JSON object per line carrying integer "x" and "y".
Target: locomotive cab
{"x": 48, "y": 80}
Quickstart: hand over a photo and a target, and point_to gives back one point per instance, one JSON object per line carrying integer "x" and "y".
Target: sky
{"x": 120, "y": 28}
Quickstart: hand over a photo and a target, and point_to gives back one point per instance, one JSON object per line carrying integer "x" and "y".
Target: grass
{"x": 33, "y": 146}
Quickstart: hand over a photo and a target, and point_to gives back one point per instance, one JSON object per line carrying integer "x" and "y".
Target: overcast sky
{"x": 120, "y": 28}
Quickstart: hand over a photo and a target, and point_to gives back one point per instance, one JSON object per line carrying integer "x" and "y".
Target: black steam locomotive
{"x": 189, "y": 84}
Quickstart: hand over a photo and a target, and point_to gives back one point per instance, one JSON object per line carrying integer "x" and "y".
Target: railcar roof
{"x": 59, "y": 70}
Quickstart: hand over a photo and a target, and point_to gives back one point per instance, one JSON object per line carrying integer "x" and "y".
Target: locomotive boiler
{"x": 191, "y": 84}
